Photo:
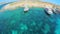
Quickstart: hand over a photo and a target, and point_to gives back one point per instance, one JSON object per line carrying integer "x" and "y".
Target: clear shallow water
{"x": 2, "y": 5}
{"x": 35, "y": 21}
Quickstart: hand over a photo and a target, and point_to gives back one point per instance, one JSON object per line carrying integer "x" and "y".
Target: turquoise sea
{"x": 35, "y": 21}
